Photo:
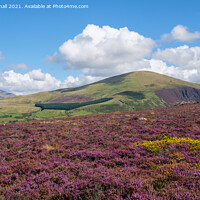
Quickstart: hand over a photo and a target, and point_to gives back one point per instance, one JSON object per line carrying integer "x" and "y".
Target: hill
{"x": 143, "y": 154}
{"x": 131, "y": 91}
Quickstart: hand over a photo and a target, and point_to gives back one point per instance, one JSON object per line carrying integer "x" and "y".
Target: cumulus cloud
{"x": 37, "y": 81}
{"x": 31, "y": 82}
{"x": 17, "y": 67}
{"x": 71, "y": 81}
{"x": 185, "y": 61}
{"x": 118, "y": 69}
{"x": 181, "y": 33}
{"x": 2, "y": 57}
{"x": 105, "y": 49}
{"x": 183, "y": 56}
{"x": 159, "y": 66}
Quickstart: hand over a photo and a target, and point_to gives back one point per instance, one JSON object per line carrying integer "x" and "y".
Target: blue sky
{"x": 165, "y": 34}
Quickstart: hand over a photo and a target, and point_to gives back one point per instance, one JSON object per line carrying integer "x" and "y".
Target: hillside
{"x": 144, "y": 154}
{"x": 131, "y": 91}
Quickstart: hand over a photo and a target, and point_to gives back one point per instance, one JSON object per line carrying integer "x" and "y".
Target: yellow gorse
{"x": 156, "y": 145}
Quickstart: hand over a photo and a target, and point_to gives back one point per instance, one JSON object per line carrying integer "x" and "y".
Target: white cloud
{"x": 31, "y": 82}
{"x": 18, "y": 67}
{"x": 2, "y": 57}
{"x": 37, "y": 81}
{"x": 118, "y": 69}
{"x": 183, "y": 56}
{"x": 181, "y": 33}
{"x": 71, "y": 81}
{"x": 105, "y": 49}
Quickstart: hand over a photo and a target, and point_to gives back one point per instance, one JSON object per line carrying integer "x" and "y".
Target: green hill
{"x": 131, "y": 91}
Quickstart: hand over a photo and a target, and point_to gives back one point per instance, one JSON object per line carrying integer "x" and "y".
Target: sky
{"x": 42, "y": 49}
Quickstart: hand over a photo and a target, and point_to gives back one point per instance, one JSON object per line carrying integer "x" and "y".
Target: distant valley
{"x": 4, "y": 94}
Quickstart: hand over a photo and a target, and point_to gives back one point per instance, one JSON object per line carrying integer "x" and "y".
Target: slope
{"x": 143, "y": 154}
